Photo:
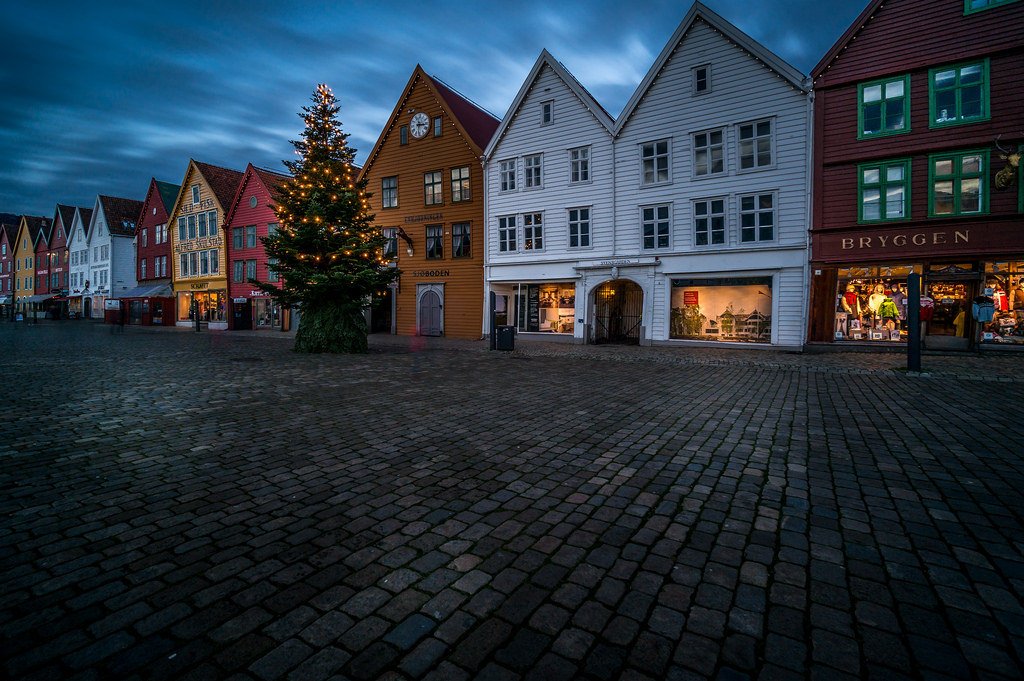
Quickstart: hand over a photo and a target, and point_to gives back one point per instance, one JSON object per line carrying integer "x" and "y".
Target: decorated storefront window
{"x": 737, "y": 310}
{"x": 871, "y": 303}
{"x": 999, "y": 309}
{"x": 210, "y": 306}
{"x": 536, "y": 307}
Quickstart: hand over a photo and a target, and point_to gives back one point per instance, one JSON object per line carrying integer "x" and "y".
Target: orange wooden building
{"x": 426, "y": 183}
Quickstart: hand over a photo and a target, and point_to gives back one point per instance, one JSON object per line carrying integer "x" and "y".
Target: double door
{"x": 952, "y": 324}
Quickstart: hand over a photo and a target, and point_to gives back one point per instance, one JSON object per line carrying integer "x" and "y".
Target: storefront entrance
{"x": 949, "y": 328}
{"x": 87, "y": 307}
{"x": 428, "y": 310}
{"x": 618, "y": 312}
{"x": 381, "y": 311}
{"x": 135, "y": 312}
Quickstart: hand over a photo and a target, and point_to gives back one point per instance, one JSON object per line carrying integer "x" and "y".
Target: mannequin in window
{"x": 876, "y": 299}
{"x": 851, "y": 303}
{"x": 1017, "y": 295}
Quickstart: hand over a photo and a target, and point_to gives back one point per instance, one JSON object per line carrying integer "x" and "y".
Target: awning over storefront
{"x": 38, "y": 298}
{"x": 148, "y": 291}
{"x": 5, "y": 300}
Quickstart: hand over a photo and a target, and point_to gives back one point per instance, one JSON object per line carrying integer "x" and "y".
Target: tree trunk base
{"x": 332, "y": 328}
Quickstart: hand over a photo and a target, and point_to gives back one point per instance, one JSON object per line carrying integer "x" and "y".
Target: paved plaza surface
{"x": 176, "y": 505}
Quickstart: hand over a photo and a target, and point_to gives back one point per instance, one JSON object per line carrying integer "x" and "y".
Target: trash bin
{"x": 505, "y": 338}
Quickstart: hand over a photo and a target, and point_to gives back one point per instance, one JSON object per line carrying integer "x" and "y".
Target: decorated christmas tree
{"x": 328, "y": 254}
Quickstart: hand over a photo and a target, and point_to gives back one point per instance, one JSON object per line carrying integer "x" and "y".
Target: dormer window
{"x": 702, "y": 79}
{"x": 195, "y": 193}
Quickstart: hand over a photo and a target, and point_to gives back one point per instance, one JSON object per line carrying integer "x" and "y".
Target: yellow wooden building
{"x": 29, "y": 228}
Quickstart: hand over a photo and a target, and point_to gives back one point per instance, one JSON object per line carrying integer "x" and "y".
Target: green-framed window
{"x": 958, "y": 94}
{"x": 958, "y": 183}
{"x": 884, "y": 190}
{"x": 883, "y": 107}
{"x": 972, "y": 6}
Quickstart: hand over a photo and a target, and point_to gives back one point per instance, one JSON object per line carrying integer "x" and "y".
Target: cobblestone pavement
{"x": 201, "y": 506}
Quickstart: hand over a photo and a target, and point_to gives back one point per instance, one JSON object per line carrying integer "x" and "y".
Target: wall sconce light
{"x": 408, "y": 241}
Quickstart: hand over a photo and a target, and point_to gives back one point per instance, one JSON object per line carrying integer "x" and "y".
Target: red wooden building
{"x": 917, "y": 108}
{"x": 250, "y": 218}
{"x": 56, "y": 262}
{"x": 8, "y": 233}
{"x": 151, "y": 303}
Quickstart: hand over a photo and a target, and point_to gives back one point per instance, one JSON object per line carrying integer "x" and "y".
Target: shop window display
{"x": 871, "y": 303}
{"x": 1004, "y": 291}
{"x": 544, "y": 308}
{"x": 732, "y": 310}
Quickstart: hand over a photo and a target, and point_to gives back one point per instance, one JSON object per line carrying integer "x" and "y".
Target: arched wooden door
{"x": 618, "y": 307}
{"x": 87, "y": 309}
{"x": 429, "y": 313}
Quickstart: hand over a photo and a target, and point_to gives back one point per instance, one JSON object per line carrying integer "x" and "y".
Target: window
{"x": 507, "y": 234}
{"x": 460, "y": 184}
{"x": 142, "y": 269}
{"x": 437, "y": 126}
{"x": 702, "y": 79}
{"x": 883, "y": 107}
{"x": 239, "y": 268}
{"x": 195, "y": 193}
{"x": 211, "y": 222}
{"x": 958, "y": 94}
{"x": 757, "y": 218}
{"x": 435, "y": 242}
{"x": 547, "y": 112}
{"x": 271, "y": 229}
{"x": 145, "y": 237}
{"x": 460, "y": 240}
{"x": 183, "y": 270}
{"x": 579, "y": 164}
{"x": 161, "y": 234}
{"x": 654, "y": 162}
{"x": 971, "y": 6}
{"x": 403, "y": 134}
{"x": 579, "y": 227}
{"x": 709, "y": 222}
{"x": 507, "y": 173}
{"x": 533, "y": 231}
{"x": 655, "y": 226}
{"x": 250, "y": 269}
{"x": 884, "y": 190}
{"x": 250, "y": 236}
{"x": 532, "y": 171}
{"x": 237, "y": 237}
{"x": 432, "y": 188}
{"x": 214, "y": 262}
{"x": 95, "y": 257}
{"x": 755, "y": 145}
{"x": 957, "y": 183}
{"x": 191, "y": 226}
{"x": 389, "y": 192}
{"x": 708, "y": 153}
{"x": 182, "y": 233}
{"x": 204, "y": 262}
{"x": 390, "y": 243}
{"x": 104, "y": 252}
{"x": 271, "y": 274}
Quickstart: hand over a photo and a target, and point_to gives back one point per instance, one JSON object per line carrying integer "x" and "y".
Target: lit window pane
{"x": 971, "y": 164}
{"x": 870, "y": 201}
{"x": 944, "y": 167}
{"x": 873, "y": 93}
{"x": 943, "y": 192}
{"x": 970, "y": 195}
{"x": 894, "y": 202}
{"x": 945, "y": 78}
{"x": 970, "y": 74}
{"x": 894, "y": 89}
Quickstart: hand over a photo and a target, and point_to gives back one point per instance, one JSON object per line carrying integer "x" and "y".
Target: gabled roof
{"x": 270, "y": 180}
{"x": 475, "y": 124}
{"x": 699, "y": 12}
{"x": 859, "y": 23}
{"x": 168, "y": 193}
{"x": 121, "y": 214}
{"x": 223, "y": 181}
{"x": 587, "y": 99}
{"x": 85, "y": 216}
{"x": 34, "y": 224}
{"x": 66, "y": 215}
{"x": 8, "y": 230}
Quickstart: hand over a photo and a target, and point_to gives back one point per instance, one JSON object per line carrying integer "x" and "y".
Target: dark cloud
{"x": 98, "y": 97}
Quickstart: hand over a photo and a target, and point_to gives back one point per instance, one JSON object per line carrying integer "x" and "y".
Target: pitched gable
{"x": 268, "y": 179}
{"x": 223, "y": 182}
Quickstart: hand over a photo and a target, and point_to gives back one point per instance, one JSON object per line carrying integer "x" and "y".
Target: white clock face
{"x": 419, "y": 125}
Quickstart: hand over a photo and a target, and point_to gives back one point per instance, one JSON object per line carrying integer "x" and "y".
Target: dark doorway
{"x": 618, "y": 309}
{"x": 87, "y": 308}
{"x": 380, "y": 312}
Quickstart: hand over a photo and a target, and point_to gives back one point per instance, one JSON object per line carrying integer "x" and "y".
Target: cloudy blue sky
{"x": 97, "y": 97}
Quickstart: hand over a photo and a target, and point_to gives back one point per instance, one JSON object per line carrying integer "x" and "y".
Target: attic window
{"x": 403, "y": 134}
{"x": 195, "y": 193}
{"x": 437, "y": 126}
{"x": 702, "y": 79}
{"x": 547, "y": 112}
{"x": 154, "y": 210}
{"x": 252, "y": 202}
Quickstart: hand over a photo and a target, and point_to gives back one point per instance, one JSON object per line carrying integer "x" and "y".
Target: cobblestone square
{"x": 206, "y": 506}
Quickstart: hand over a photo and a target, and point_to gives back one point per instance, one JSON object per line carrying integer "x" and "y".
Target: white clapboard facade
{"x": 707, "y": 178}
{"x": 111, "y": 253}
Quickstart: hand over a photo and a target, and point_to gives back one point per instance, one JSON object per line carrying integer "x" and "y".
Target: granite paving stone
{"x": 219, "y": 507}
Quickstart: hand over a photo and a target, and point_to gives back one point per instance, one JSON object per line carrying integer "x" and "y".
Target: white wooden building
{"x": 708, "y": 181}
{"x": 79, "y": 285}
{"x": 111, "y": 262}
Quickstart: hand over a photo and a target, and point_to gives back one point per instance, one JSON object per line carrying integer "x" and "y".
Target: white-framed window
{"x": 204, "y": 262}
{"x": 389, "y": 192}
{"x": 201, "y": 217}
{"x": 435, "y": 242}
{"x": 507, "y": 175}
{"x": 547, "y": 112}
{"x": 183, "y": 270}
{"x": 104, "y": 252}
{"x": 461, "y": 245}
{"x": 214, "y": 262}
{"x": 390, "y": 242}
{"x": 145, "y": 237}
{"x": 507, "y": 234}
{"x": 757, "y": 218}
{"x": 579, "y": 164}
{"x": 708, "y": 152}
{"x": 239, "y": 271}
{"x": 709, "y": 222}
{"x": 432, "y": 193}
{"x": 438, "y": 126}
{"x": 272, "y": 274}
{"x": 532, "y": 171}
{"x": 654, "y": 162}
{"x": 182, "y": 229}
{"x": 195, "y": 193}
{"x": 460, "y": 184}
{"x": 702, "y": 79}
{"x": 103, "y": 277}
{"x": 754, "y": 140}
{"x": 533, "y": 231}
{"x": 191, "y": 226}
{"x": 142, "y": 269}
{"x": 250, "y": 269}
{"x": 656, "y": 225}
{"x": 579, "y": 227}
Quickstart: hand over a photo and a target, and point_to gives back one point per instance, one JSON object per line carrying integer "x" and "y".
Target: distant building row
{"x": 733, "y": 199}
